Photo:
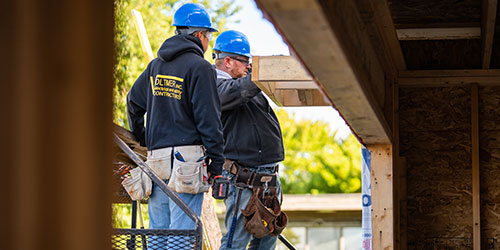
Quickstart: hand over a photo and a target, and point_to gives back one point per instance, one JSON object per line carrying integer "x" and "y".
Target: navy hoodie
{"x": 179, "y": 94}
{"x": 252, "y": 131}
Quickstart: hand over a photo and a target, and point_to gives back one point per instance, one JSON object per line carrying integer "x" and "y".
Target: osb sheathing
{"x": 489, "y": 134}
{"x": 435, "y": 138}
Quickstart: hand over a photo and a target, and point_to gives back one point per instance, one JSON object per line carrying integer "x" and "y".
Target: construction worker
{"x": 178, "y": 93}
{"x": 253, "y": 140}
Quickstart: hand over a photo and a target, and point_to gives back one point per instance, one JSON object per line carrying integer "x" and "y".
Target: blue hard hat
{"x": 233, "y": 41}
{"x": 193, "y": 15}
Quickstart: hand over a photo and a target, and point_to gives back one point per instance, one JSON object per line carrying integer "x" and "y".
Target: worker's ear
{"x": 198, "y": 34}
{"x": 227, "y": 62}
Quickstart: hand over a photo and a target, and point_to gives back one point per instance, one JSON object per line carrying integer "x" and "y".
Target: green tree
{"x": 315, "y": 162}
{"x": 157, "y": 16}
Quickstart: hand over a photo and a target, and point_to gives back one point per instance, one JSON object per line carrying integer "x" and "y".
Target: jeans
{"x": 165, "y": 214}
{"x": 241, "y": 237}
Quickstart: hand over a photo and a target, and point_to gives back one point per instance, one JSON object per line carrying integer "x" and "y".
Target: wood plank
{"x": 143, "y": 36}
{"x": 296, "y": 85}
{"x": 476, "y": 201}
{"x": 279, "y": 68}
{"x": 304, "y": 97}
{"x": 387, "y": 30}
{"x": 286, "y": 82}
{"x": 447, "y": 81}
{"x": 435, "y": 78}
{"x": 342, "y": 60}
{"x": 382, "y": 196}
{"x": 380, "y": 28}
{"x": 396, "y": 163}
{"x": 488, "y": 19}
{"x": 264, "y": 86}
{"x": 322, "y": 202}
{"x": 403, "y": 242}
{"x": 439, "y": 33}
{"x": 454, "y": 73}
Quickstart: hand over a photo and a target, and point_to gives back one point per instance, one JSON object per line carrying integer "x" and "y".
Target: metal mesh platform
{"x": 155, "y": 239}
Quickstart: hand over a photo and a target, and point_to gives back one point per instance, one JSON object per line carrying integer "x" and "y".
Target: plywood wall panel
{"x": 435, "y": 138}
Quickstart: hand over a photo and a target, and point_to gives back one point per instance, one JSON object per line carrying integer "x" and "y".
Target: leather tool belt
{"x": 263, "y": 215}
{"x": 248, "y": 178}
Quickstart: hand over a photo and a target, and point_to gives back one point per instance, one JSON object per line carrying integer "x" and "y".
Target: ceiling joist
{"x": 439, "y": 33}
{"x": 440, "y": 78}
{"x": 488, "y": 19}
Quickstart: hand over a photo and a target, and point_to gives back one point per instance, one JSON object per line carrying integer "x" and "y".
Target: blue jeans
{"x": 165, "y": 214}
{"x": 241, "y": 237}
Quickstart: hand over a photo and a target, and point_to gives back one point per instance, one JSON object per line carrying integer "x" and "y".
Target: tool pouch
{"x": 138, "y": 185}
{"x": 263, "y": 215}
{"x": 160, "y": 162}
{"x": 188, "y": 174}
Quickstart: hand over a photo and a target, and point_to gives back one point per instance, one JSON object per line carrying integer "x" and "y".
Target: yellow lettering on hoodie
{"x": 167, "y": 86}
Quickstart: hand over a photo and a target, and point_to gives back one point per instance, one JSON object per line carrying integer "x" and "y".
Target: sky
{"x": 265, "y": 41}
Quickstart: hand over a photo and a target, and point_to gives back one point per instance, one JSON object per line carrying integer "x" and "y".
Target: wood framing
{"x": 380, "y": 27}
{"x": 436, "y": 78}
{"x": 342, "y": 60}
{"x": 439, "y": 33}
{"x": 382, "y": 196}
{"x": 488, "y": 19}
{"x": 286, "y": 82}
{"x": 476, "y": 201}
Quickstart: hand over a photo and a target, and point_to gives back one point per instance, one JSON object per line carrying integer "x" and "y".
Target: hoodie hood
{"x": 178, "y": 45}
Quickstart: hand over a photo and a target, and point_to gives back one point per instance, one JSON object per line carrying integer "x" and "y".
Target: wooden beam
{"x": 322, "y": 202}
{"x": 382, "y": 196}
{"x": 296, "y": 85}
{"x": 286, "y": 82}
{"x": 436, "y": 78}
{"x": 488, "y": 19}
{"x": 278, "y": 68}
{"x": 387, "y": 30}
{"x": 403, "y": 211}
{"x": 476, "y": 201}
{"x": 331, "y": 41}
{"x": 303, "y": 97}
{"x": 439, "y": 33}
{"x": 380, "y": 27}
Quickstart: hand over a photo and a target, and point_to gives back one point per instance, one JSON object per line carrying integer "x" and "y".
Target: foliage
{"x": 157, "y": 16}
{"x": 315, "y": 162}
{"x": 122, "y": 215}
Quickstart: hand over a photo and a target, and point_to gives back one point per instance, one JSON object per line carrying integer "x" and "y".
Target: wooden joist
{"x": 286, "y": 82}
{"x": 380, "y": 27}
{"x": 437, "y": 78}
{"x": 476, "y": 201}
{"x": 338, "y": 53}
{"x": 488, "y": 19}
{"x": 439, "y": 33}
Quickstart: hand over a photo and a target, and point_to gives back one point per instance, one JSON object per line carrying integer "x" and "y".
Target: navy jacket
{"x": 179, "y": 94}
{"x": 252, "y": 132}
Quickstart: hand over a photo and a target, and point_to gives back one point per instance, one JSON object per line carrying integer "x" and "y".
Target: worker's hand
{"x": 214, "y": 169}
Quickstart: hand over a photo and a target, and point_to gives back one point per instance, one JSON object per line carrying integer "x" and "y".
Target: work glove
{"x": 214, "y": 168}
